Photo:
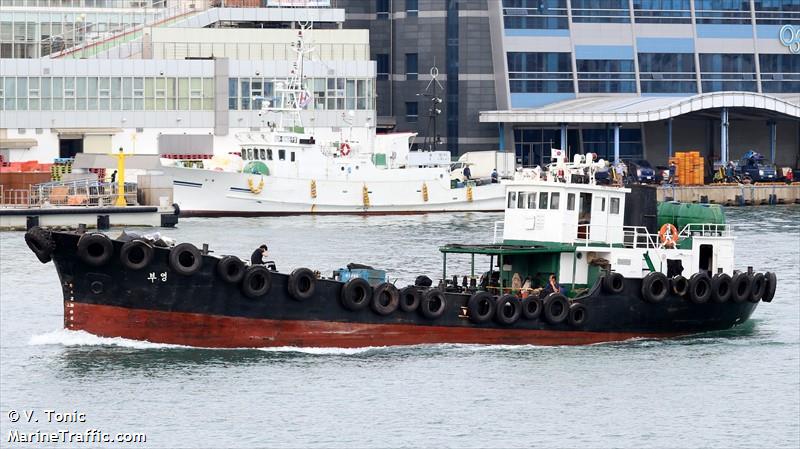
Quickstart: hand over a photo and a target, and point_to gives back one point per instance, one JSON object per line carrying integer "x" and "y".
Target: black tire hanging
{"x": 433, "y": 304}
{"x": 95, "y": 249}
{"x": 409, "y": 299}
{"x": 136, "y": 254}
{"x": 740, "y": 287}
{"x": 41, "y": 242}
{"x": 679, "y": 285}
{"x": 758, "y": 286}
{"x": 185, "y": 259}
{"x": 231, "y": 269}
{"x": 481, "y": 307}
{"x": 302, "y": 284}
{"x": 655, "y": 287}
{"x": 385, "y": 299}
{"x": 356, "y": 294}
{"x": 556, "y": 308}
{"x": 508, "y": 310}
{"x": 532, "y": 308}
{"x": 578, "y": 314}
{"x": 721, "y": 288}
{"x": 699, "y": 288}
{"x": 613, "y": 283}
{"x": 772, "y": 283}
{"x": 257, "y": 281}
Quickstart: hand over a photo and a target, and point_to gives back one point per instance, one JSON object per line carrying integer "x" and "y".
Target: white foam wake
{"x": 67, "y": 337}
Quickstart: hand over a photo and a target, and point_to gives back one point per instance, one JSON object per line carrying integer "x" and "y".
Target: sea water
{"x": 737, "y": 388}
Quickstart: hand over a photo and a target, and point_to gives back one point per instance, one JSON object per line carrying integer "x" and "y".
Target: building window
{"x": 729, "y": 71}
{"x": 532, "y": 146}
{"x": 606, "y": 75}
{"x": 727, "y": 12}
{"x": 606, "y": 11}
{"x": 539, "y": 72}
{"x": 666, "y": 73}
{"x": 412, "y": 8}
{"x": 382, "y": 60}
{"x": 780, "y": 73}
{"x": 412, "y": 66}
{"x": 662, "y": 11}
{"x": 412, "y": 111}
{"x": 601, "y": 141}
{"x": 382, "y": 9}
{"x": 777, "y": 12}
{"x": 535, "y": 14}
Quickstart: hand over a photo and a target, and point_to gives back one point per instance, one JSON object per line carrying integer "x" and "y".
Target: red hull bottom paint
{"x": 214, "y": 331}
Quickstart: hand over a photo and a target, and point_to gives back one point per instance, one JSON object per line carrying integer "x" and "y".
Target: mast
{"x": 432, "y": 139}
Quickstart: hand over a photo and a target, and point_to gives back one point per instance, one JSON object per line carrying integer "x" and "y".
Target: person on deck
{"x": 552, "y": 285}
{"x": 261, "y": 257}
{"x": 673, "y": 169}
{"x": 467, "y": 173}
{"x": 494, "y": 176}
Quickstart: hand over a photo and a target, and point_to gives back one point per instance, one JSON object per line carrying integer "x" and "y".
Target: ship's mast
{"x": 432, "y": 138}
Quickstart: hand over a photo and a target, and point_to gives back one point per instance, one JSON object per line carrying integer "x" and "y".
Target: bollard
{"x": 103, "y": 223}
{"x": 703, "y": 199}
{"x": 204, "y": 251}
{"x": 31, "y": 221}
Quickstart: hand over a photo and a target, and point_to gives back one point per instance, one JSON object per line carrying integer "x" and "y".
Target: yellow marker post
{"x": 120, "y": 179}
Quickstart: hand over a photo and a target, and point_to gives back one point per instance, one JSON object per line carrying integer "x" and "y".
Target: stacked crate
{"x": 690, "y": 168}
{"x": 60, "y": 167}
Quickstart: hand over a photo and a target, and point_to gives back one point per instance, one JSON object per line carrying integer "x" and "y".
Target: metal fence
{"x": 70, "y": 193}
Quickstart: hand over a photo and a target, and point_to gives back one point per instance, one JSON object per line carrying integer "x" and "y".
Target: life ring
{"x": 721, "y": 287}
{"x": 740, "y": 288}
{"x": 699, "y": 288}
{"x": 231, "y": 269}
{"x": 302, "y": 283}
{"x": 344, "y": 149}
{"x": 41, "y": 242}
{"x": 356, "y": 294}
{"x": 257, "y": 281}
{"x": 409, "y": 299}
{"x": 668, "y": 234}
{"x": 481, "y": 307}
{"x": 136, "y": 254}
{"x": 655, "y": 287}
{"x": 385, "y": 299}
{"x": 185, "y": 259}
{"x": 255, "y": 188}
{"x": 95, "y": 249}
{"x": 556, "y": 308}
{"x": 509, "y": 309}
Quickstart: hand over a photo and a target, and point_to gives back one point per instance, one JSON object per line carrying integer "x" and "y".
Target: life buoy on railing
{"x": 255, "y": 188}
{"x": 668, "y": 234}
{"x": 344, "y": 149}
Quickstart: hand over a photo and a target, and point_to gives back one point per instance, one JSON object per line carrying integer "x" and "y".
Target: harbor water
{"x": 738, "y": 388}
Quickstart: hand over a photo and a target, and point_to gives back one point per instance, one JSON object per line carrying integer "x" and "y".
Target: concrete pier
{"x": 733, "y": 194}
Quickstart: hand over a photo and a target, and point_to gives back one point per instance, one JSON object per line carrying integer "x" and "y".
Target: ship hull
{"x": 158, "y": 304}
{"x": 207, "y": 193}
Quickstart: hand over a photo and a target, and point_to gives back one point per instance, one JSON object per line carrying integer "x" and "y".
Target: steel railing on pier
{"x": 84, "y": 192}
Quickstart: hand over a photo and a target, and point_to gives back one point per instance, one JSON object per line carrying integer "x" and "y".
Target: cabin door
{"x": 584, "y": 215}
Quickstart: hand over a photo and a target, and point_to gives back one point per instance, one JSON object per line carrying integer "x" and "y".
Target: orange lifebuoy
{"x": 668, "y": 234}
{"x": 344, "y": 149}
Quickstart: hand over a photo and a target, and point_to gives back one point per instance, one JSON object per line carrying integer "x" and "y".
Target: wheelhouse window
{"x": 532, "y": 200}
{"x": 602, "y": 202}
{"x": 543, "y": 200}
{"x": 269, "y": 154}
{"x": 263, "y": 154}
{"x": 570, "y": 201}
{"x": 281, "y": 155}
{"x": 512, "y": 200}
{"x": 521, "y": 200}
{"x": 291, "y": 156}
{"x": 555, "y": 200}
{"x": 614, "y": 206}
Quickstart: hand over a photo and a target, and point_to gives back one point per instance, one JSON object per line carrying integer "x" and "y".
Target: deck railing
{"x": 83, "y": 192}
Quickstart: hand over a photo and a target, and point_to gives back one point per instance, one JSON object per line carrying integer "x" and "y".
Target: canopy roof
{"x": 636, "y": 109}
{"x": 505, "y": 249}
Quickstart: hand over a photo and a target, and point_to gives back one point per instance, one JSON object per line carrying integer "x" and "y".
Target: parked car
{"x": 640, "y": 171}
{"x": 753, "y": 166}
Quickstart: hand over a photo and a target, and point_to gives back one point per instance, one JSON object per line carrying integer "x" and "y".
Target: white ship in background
{"x": 285, "y": 170}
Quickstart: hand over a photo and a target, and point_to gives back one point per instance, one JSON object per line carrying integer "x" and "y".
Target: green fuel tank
{"x": 681, "y": 214}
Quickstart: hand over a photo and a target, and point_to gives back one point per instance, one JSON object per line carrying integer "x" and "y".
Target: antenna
{"x": 432, "y": 139}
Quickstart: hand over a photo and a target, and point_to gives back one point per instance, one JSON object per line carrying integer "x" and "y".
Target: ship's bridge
{"x": 558, "y": 210}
